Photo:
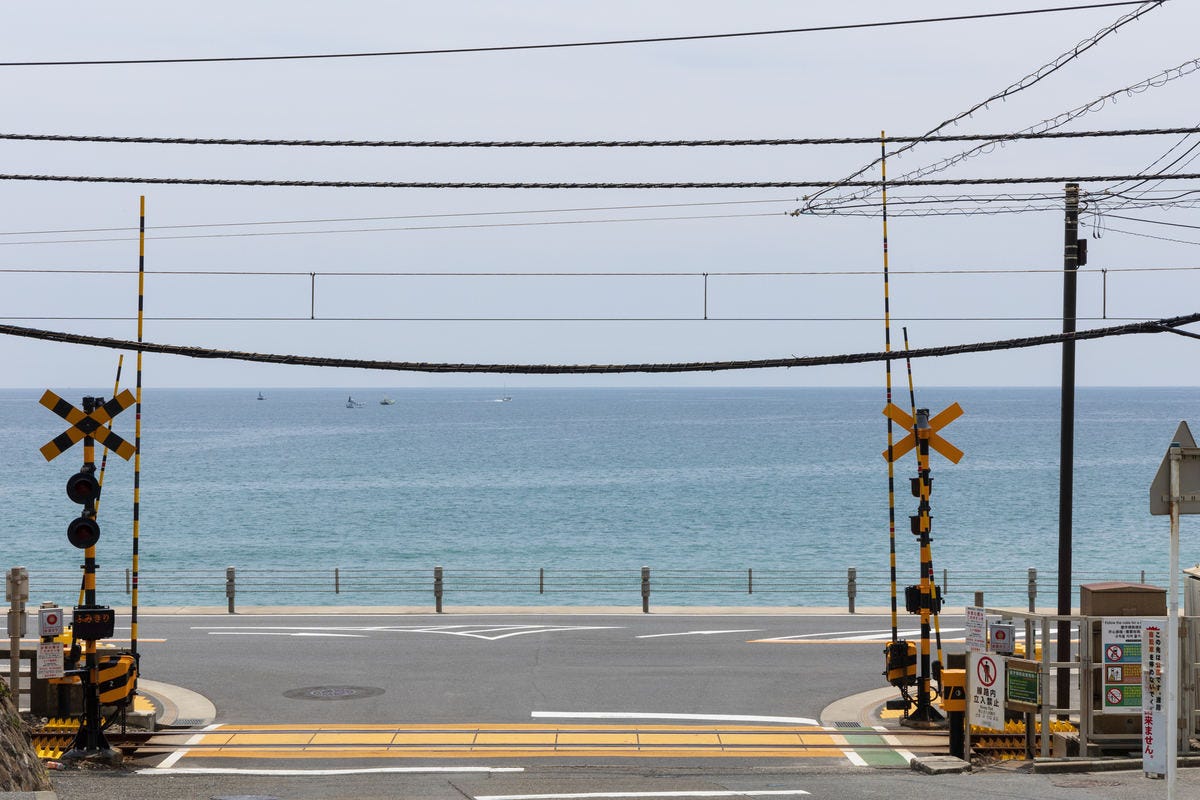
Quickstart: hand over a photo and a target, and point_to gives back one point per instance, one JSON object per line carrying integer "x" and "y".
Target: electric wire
{"x": 1045, "y": 126}
{"x": 327, "y": 220}
{"x": 1024, "y": 83}
{"x": 562, "y": 45}
{"x": 594, "y": 143}
{"x": 1152, "y": 326}
{"x": 472, "y": 226}
{"x": 788, "y": 184}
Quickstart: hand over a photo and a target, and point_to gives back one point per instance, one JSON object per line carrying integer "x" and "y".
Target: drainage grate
{"x": 187, "y": 723}
{"x": 333, "y": 692}
{"x": 848, "y": 725}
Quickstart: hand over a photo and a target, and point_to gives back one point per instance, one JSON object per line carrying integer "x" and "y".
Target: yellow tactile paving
{"x": 513, "y": 741}
{"x": 499, "y": 737}
{"x": 762, "y": 739}
{"x": 597, "y": 738}
{"x": 679, "y": 738}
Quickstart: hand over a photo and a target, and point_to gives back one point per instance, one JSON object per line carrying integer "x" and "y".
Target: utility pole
{"x": 1071, "y": 262}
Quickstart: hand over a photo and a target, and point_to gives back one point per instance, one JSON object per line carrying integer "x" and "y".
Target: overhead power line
{"x": 1154, "y": 326}
{"x": 585, "y": 185}
{"x": 564, "y": 45}
{"x": 550, "y": 143}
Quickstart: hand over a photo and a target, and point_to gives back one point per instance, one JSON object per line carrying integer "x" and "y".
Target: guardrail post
{"x": 541, "y": 580}
{"x": 337, "y": 580}
{"x": 750, "y": 580}
{"x": 437, "y": 589}
{"x": 979, "y": 599}
{"x": 851, "y": 586}
{"x": 645, "y": 590}
{"x": 230, "y": 587}
{"x": 1032, "y": 588}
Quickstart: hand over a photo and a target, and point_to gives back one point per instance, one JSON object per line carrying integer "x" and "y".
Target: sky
{"x": 954, "y": 278}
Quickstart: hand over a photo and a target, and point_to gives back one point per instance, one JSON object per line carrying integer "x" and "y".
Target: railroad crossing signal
{"x": 87, "y": 424}
{"x": 936, "y": 423}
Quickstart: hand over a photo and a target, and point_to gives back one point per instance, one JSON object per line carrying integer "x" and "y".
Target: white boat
{"x": 352, "y": 403}
{"x": 387, "y": 401}
{"x": 260, "y": 396}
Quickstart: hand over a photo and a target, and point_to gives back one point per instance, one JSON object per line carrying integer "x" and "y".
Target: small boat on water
{"x": 260, "y": 396}
{"x": 352, "y": 403}
{"x": 387, "y": 401}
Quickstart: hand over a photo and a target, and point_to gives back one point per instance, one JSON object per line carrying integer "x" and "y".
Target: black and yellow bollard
{"x": 954, "y": 701}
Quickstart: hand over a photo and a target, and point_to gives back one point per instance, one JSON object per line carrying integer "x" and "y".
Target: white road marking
{"x": 280, "y": 633}
{"x": 168, "y": 762}
{"x": 651, "y": 715}
{"x": 696, "y": 633}
{"x": 907, "y": 755}
{"x": 489, "y": 633}
{"x": 856, "y": 636}
{"x": 598, "y": 795}
{"x": 363, "y": 771}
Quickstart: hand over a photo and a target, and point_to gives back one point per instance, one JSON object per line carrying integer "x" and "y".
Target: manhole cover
{"x": 332, "y": 692}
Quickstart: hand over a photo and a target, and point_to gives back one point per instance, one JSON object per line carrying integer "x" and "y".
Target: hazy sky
{"x": 834, "y": 84}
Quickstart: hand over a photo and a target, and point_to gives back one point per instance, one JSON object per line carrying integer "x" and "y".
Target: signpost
{"x": 1175, "y": 490}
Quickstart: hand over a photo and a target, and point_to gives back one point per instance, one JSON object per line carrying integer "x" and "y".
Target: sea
{"x": 545, "y": 496}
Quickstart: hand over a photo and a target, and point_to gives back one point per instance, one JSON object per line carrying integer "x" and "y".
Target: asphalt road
{"x": 503, "y": 668}
{"x": 511, "y": 669}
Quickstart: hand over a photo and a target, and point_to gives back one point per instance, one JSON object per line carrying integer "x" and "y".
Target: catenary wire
{"x": 1154, "y": 326}
{"x": 562, "y": 45}
{"x": 1046, "y": 125}
{"x": 1024, "y": 83}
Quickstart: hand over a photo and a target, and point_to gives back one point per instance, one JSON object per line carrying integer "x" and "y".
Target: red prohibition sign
{"x": 52, "y": 619}
{"x": 986, "y": 671}
{"x": 1115, "y": 696}
{"x": 1114, "y": 652}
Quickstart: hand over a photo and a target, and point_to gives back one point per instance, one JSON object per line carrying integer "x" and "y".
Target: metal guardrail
{"x": 366, "y": 585}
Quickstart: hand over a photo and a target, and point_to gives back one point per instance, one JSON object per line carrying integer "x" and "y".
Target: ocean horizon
{"x": 712, "y": 488}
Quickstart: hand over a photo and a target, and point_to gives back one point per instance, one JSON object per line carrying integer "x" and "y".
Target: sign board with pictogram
{"x": 50, "y": 621}
{"x": 985, "y": 690}
{"x": 87, "y": 424}
{"x": 1121, "y": 645}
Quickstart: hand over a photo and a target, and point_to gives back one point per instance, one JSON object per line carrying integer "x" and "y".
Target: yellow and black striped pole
{"x": 137, "y": 433}
{"x": 887, "y": 346}
{"x": 924, "y": 715}
{"x": 937, "y": 624}
{"x": 104, "y": 456}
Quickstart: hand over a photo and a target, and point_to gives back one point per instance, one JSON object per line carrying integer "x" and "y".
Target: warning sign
{"x": 49, "y": 660}
{"x": 986, "y": 689}
{"x": 1122, "y": 650}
